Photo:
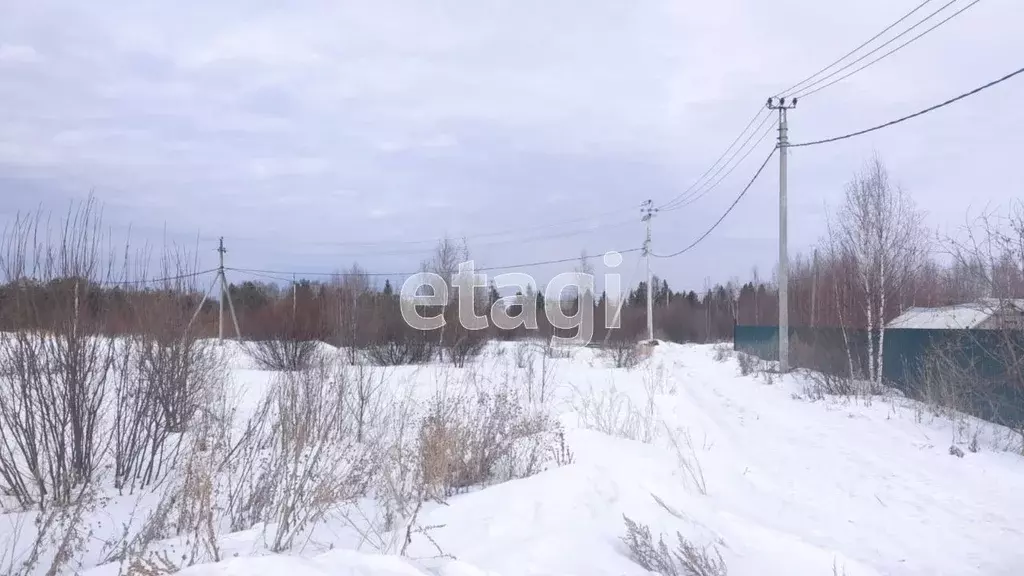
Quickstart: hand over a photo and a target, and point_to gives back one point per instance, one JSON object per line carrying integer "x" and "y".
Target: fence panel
{"x": 990, "y": 360}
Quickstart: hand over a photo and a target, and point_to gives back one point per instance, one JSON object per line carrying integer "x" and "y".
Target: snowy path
{"x": 793, "y": 486}
{"x": 863, "y": 480}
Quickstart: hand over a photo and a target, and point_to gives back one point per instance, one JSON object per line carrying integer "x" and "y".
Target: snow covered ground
{"x": 780, "y": 484}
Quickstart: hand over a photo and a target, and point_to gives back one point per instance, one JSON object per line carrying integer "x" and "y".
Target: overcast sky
{"x": 299, "y": 130}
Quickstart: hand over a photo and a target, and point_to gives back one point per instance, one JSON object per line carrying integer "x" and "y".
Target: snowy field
{"x": 750, "y": 466}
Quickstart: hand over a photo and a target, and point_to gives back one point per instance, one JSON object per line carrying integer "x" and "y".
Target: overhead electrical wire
{"x": 526, "y": 240}
{"x": 559, "y": 261}
{"x": 909, "y": 116}
{"x": 271, "y": 276}
{"x": 278, "y": 274}
{"x": 806, "y": 92}
{"x": 139, "y": 282}
{"x": 682, "y": 199}
{"x": 259, "y": 271}
{"x": 792, "y": 89}
{"x": 700, "y": 194}
{"x": 681, "y": 196}
{"x": 435, "y": 240}
{"x": 722, "y": 217}
{"x": 814, "y": 83}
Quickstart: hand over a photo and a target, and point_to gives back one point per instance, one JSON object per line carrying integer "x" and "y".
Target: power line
{"x": 887, "y": 54}
{"x": 789, "y": 91}
{"x": 435, "y": 240}
{"x": 808, "y": 89}
{"x": 139, "y": 282}
{"x": 719, "y": 221}
{"x": 270, "y": 273}
{"x": 682, "y": 199}
{"x": 526, "y": 240}
{"x": 714, "y": 185}
{"x": 273, "y": 274}
{"x": 809, "y": 84}
{"x": 267, "y": 276}
{"x": 560, "y": 261}
{"x": 909, "y": 116}
{"x": 699, "y": 180}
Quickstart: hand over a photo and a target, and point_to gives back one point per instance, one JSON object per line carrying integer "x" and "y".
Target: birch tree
{"x": 880, "y": 232}
{"x": 448, "y": 256}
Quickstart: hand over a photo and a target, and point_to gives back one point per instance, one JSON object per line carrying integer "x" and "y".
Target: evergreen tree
{"x": 517, "y": 308}
{"x": 531, "y": 295}
{"x": 638, "y": 297}
{"x": 493, "y": 295}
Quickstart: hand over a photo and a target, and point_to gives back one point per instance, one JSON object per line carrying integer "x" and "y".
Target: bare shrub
{"x": 320, "y": 462}
{"x": 399, "y": 486}
{"x": 687, "y": 559}
{"x": 613, "y": 412}
{"x": 300, "y": 454}
{"x": 561, "y": 454}
{"x": 748, "y": 364}
{"x": 465, "y": 345}
{"x": 413, "y": 349}
{"x": 189, "y": 511}
{"x": 59, "y": 537}
{"x": 53, "y": 367}
{"x": 821, "y": 384}
{"x": 524, "y": 354}
{"x": 686, "y": 457}
{"x": 286, "y": 354}
{"x": 722, "y": 352}
{"x": 538, "y": 373}
{"x": 952, "y": 387}
{"x": 552, "y": 350}
{"x": 366, "y": 386}
{"x": 161, "y": 373}
{"x": 132, "y": 547}
{"x": 621, "y": 351}
{"x": 196, "y": 512}
{"x": 155, "y": 395}
{"x": 476, "y": 437}
{"x": 466, "y": 437}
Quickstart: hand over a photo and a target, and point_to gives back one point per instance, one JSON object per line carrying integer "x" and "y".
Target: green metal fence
{"x": 982, "y": 359}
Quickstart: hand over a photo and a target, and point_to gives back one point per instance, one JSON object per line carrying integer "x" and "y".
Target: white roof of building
{"x": 957, "y": 317}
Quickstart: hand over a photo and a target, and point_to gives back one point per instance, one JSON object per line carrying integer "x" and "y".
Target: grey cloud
{"x": 287, "y": 127}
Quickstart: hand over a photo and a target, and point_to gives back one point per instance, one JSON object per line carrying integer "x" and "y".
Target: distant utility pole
{"x": 648, "y": 211}
{"x": 783, "y": 107}
{"x": 220, "y": 280}
{"x": 225, "y": 294}
{"x": 814, "y": 292}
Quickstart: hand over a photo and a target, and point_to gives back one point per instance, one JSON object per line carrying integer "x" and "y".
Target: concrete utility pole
{"x": 225, "y": 294}
{"x": 223, "y": 291}
{"x": 648, "y": 211}
{"x": 219, "y": 280}
{"x": 782, "y": 106}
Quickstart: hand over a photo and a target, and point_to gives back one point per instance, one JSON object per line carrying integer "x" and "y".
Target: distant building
{"x": 985, "y": 314}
